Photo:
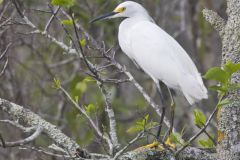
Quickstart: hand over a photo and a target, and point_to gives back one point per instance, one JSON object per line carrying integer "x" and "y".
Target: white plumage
{"x": 156, "y": 52}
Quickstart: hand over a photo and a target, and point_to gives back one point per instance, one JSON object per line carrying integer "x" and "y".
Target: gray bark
{"x": 228, "y": 116}
{"x": 31, "y": 119}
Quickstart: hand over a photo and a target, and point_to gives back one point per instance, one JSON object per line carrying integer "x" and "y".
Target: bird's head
{"x": 126, "y": 9}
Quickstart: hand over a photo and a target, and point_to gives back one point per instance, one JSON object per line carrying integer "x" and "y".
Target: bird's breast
{"x": 124, "y": 38}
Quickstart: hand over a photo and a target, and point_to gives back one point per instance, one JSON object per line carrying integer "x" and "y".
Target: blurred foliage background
{"x": 34, "y": 61}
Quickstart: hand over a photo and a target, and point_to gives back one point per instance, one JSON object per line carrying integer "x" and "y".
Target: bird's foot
{"x": 155, "y": 145}
{"x": 170, "y": 143}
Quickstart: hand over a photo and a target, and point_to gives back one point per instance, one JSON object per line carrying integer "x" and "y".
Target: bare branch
{"x": 215, "y": 20}
{"x": 4, "y": 10}
{"x": 50, "y": 20}
{"x": 6, "y": 62}
{"x": 4, "y": 67}
{"x": 27, "y": 21}
{"x": 65, "y": 156}
{"x": 2, "y": 141}
{"x": 111, "y": 116}
{"x": 139, "y": 136}
{"x": 64, "y": 62}
{"x": 5, "y": 22}
{"x": 5, "y": 51}
{"x": 24, "y": 141}
{"x": 15, "y": 124}
{"x": 42, "y": 151}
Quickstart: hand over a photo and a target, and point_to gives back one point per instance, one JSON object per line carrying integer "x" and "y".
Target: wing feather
{"x": 163, "y": 58}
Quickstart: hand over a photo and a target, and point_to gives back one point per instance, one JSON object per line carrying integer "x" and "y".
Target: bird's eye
{"x": 120, "y": 10}
{"x": 123, "y": 9}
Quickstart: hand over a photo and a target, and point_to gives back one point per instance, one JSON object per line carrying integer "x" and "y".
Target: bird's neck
{"x": 142, "y": 16}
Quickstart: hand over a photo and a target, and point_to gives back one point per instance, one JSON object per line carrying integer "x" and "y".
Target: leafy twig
{"x": 199, "y": 132}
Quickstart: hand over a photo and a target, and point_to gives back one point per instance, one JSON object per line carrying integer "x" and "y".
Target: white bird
{"x": 156, "y": 52}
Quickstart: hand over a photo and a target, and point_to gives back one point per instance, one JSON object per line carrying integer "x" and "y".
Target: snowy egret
{"x": 156, "y": 52}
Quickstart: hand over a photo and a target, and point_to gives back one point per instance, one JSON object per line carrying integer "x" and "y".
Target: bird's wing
{"x": 159, "y": 54}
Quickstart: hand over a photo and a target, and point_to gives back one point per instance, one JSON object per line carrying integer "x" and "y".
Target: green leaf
{"x": 89, "y": 79}
{"x": 217, "y": 74}
{"x": 56, "y": 83}
{"x": 1, "y": 1}
{"x": 91, "y": 108}
{"x": 83, "y": 42}
{"x": 221, "y": 89}
{"x": 81, "y": 86}
{"x": 146, "y": 118}
{"x": 63, "y": 3}
{"x": 145, "y": 123}
{"x": 76, "y": 99}
{"x": 135, "y": 129}
{"x": 67, "y": 22}
{"x": 206, "y": 143}
{"x": 200, "y": 118}
{"x": 223, "y": 103}
{"x": 176, "y": 138}
{"x": 231, "y": 68}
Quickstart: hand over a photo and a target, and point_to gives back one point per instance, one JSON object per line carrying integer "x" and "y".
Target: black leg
{"x": 163, "y": 110}
{"x": 172, "y": 110}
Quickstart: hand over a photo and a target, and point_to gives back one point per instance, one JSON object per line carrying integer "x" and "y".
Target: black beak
{"x": 103, "y": 17}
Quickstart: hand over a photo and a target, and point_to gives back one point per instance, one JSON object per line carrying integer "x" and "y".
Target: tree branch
{"x": 15, "y": 124}
{"x": 24, "y": 141}
{"x": 228, "y": 123}
{"x": 111, "y": 116}
{"x": 215, "y": 20}
{"x": 189, "y": 153}
{"x": 32, "y": 119}
{"x": 50, "y": 20}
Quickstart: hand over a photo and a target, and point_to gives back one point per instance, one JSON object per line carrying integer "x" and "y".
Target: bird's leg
{"x": 172, "y": 111}
{"x": 163, "y": 110}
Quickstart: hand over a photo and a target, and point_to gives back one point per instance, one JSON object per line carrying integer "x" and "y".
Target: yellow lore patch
{"x": 120, "y": 10}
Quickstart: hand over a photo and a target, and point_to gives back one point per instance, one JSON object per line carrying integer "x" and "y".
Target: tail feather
{"x": 193, "y": 88}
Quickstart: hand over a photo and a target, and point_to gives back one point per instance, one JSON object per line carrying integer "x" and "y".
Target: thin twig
{"x": 17, "y": 125}
{"x": 81, "y": 53}
{"x": 6, "y": 62}
{"x": 28, "y": 22}
{"x": 24, "y": 141}
{"x": 4, "y": 10}
{"x": 2, "y": 141}
{"x": 4, "y": 67}
{"x": 43, "y": 151}
{"x": 64, "y": 62}
{"x": 97, "y": 130}
{"x": 51, "y": 19}
{"x": 5, "y": 51}
{"x": 139, "y": 136}
{"x": 209, "y": 136}
{"x": 199, "y": 132}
